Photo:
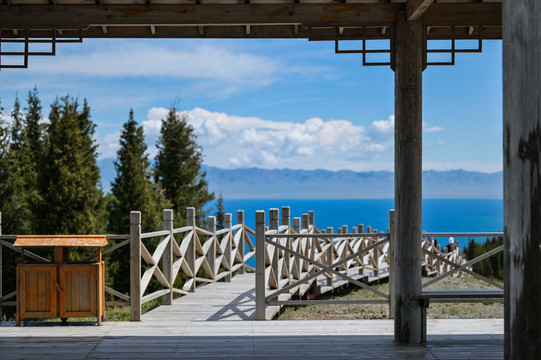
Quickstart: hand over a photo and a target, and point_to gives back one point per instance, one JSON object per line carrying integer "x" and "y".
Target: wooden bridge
{"x": 216, "y": 319}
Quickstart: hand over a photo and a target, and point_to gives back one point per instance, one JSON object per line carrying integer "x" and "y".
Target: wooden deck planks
{"x": 215, "y": 323}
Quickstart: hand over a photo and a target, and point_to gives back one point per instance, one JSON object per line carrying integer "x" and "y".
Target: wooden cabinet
{"x": 64, "y": 291}
{"x": 60, "y": 289}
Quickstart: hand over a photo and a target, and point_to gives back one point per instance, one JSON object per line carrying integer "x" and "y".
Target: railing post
{"x": 190, "y": 250}
{"x": 228, "y": 223}
{"x": 345, "y": 229}
{"x": 260, "y": 280}
{"x": 273, "y": 225}
{"x": 297, "y": 225}
{"x": 286, "y": 220}
{"x": 1, "y": 273}
{"x": 296, "y": 259}
{"x": 360, "y": 228}
{"x": 168, "y": 255}
{"x": 305, "y": 222}
{"x": 391, "y": 257}
{"x": 135, "y": 266}
{"x": 211, "y": 254}
{"x": 330, "y": 257}
{"x": 240, "y": 245}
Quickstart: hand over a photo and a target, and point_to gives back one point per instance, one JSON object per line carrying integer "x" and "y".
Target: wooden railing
{"x": 290, "y": 260}
{"x": 453, "y": 263}
{"x": 200, "y": 255}
{"x": 183, "y": 258}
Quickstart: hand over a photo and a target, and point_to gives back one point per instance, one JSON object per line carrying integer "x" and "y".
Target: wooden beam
{"x": 335, "y": 14}
{"x": 467, "y": 14}
{"x": 416, "y": 8}
{"x": 83, "y": 16}
{"x": 408, "y": 66}
{"x": 522, "y": 178}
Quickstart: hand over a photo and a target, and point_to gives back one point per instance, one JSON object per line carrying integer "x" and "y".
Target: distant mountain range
{"x": 254, "y": 183}
{"x": 324, "y": 184}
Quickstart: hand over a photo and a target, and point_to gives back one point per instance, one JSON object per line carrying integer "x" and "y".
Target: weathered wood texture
{"x": 416, "y": 8}
{"x": 408, "y": 175}
{"x": 203, "y": 325}
{"x": 168, "y": 256}
{"x": 317, "y": 21}
{"x": 522, "y": 177}
{"x": 135, "y": 266}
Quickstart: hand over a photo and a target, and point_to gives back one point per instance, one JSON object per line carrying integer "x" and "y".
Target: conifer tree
{"x": 14, "y": 192}
{"x": 131, "y": 190}
{"x": 220, "y": 212}
{"x": 178, "y": 168}
{"x": 72, "y": 200}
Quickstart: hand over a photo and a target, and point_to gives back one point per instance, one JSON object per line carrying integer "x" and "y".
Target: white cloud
{"x": 237, "y": 141}
{"x": 130, "y": 59}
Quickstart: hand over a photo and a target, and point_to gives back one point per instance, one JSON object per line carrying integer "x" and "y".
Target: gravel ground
{"x": 380, "y": 311}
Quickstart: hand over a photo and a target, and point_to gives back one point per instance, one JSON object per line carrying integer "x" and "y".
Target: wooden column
{"x": 408, "y": 57}
{"x": 260, "y": 278}
{"x": 392, "y": 267}
{"x": 1, "y": 273}
{"x": 135, "y": 266}
{"x": 240, "y": 245}
{"x": 522, "y": 177}
{"x": 211, "y": 254}
{"x": 190, "y": 250}
{"x": 167, "y": 219}
{"x": 228, "y": 223}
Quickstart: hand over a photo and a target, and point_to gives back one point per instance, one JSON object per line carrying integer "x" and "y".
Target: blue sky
{"x": 274, "y": 103}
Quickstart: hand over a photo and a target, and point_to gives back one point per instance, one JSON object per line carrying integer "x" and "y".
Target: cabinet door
{"x": 78, "y": 293}
{"x": 37, "y": 291}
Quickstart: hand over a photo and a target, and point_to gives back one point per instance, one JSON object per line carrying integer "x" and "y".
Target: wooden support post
{"x": 190, "y": 250}
{"x": 360, "y": 228}
{"x": 260, "y": 279}
{"x": 273, "y": 225}
{"x": 211, "y": 254}
{"x": 311, "y": 218}
{"x": 408, "y": 68}
{"x": 1, "y": 272}
{"x": 330, "y": 257}
{"x": 522, "y": 177}
{"x": 297, "y": 225}
{"x": 305, "y": 222}
{"x": 392, "y": 251}
{"x": 345, "y": 229}
{"x": 228, "y": 223}
{"x": 286, "y": 216}
{"x": 369, "y": 229}
{"x": 135, "y": 266}
{"x": 296, "y": 259}
{"x": 168, "y": 255}
{"x": 240, "y": 245}
{"x": 286, "y": 220}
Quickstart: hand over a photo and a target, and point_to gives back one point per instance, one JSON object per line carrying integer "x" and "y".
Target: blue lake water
{"x": 439, "y": 215}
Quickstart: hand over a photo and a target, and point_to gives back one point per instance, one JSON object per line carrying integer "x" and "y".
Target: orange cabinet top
{"x": 60, "y": 240}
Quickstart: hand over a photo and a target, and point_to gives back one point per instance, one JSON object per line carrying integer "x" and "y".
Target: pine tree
{"x": 178, "y": 168}
{"x": 72, "y": 199}
{"x": 220, "y": 212}
{"x": 14, "y": 192}
{"x": 132, "y": 189}
{"x": 132, "y": 186}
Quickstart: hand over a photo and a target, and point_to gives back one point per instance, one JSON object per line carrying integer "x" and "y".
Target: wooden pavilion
{"x": 408, "y": 25}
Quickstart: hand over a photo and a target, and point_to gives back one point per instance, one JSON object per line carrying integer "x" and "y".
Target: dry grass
{"x": 381, "y": 311}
